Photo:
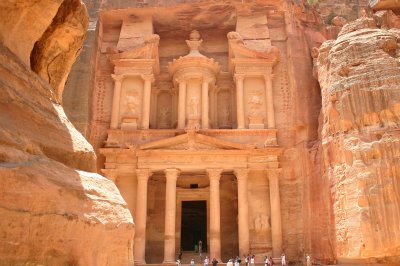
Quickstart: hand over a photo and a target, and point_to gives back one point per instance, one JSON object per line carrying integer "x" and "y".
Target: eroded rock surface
{"x": 52, "y": 211}
{"x": 359, "y": 76}
{"x": 46, "y": 35}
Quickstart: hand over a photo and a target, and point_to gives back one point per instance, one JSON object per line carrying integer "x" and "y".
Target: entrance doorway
{"x": 194, "y": 225}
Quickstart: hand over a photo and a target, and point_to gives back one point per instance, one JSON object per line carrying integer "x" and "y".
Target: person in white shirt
{"x": 206, "y": 261}
{"x": 283, "y": 259}
{"x": 252, "y": 261}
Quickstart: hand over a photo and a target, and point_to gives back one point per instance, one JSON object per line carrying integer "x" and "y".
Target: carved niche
{"x": 224, "y": 113}
{"x": 131, "y": 103}
{"x": 164, "y": 110}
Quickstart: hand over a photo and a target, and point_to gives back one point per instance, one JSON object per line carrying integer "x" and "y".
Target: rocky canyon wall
{"x": 359, "y": 76}
{"x": 53, "y": 211}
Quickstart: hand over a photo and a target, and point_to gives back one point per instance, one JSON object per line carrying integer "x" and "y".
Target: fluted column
{"x": 243, "y": 210}
{"x": 148, "y": 79}
{"x": 270, "y": 101}
{"x": 141, "y": 215}
{"x": 204, "y": 104}
{"x": 116, "y": 100}
{"x": 239, "y": 78}
{"x": 182, "y": 104}
{"x": 215, "y": 216}
{"x": 276, "y": 223}
{"x": 170, "y": 214}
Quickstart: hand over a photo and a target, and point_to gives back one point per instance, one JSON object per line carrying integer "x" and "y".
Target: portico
{"x": 207, "y": 158}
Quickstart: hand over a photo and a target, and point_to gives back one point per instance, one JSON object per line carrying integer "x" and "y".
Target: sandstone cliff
{"x": 53, "y": 212}
{"x": 359, "y": 76}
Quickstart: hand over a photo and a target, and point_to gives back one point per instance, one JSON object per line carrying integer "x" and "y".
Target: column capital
{"x": 181, "y": 79}
{"x": 147, "y": 77}
{"x": 143, "y": 174}
{"x": 117, "y": 77}
{"x": 239, "y": 77}
{"x": 274, "y": 173}
{"x": 172, "y": 173}
{"x": 241, "y": 173}
{"x": 269, "y": 76}
{"x": 214, "y": 173}
{"x": 207, "y": 79}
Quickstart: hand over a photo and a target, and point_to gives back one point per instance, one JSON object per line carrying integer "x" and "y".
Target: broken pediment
{"x": 193, "y": 141}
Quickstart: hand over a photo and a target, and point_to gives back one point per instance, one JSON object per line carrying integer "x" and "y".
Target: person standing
{"x": 283, "y": 259}
{"x": 271, "y": 262}
{"x": 206, "y": 261}
{"x": 266, "y": 261}
{"x": 308, "y": 260}
{"x": 192, "y": 262}
{"x": 214, "y": 262}
{"x": 200, "y": 247}
{"x": 252, "y": 260}
{"x": 246, "y": 260}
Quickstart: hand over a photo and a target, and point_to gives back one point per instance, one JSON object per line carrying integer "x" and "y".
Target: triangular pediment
{"x": 193, "y": 141}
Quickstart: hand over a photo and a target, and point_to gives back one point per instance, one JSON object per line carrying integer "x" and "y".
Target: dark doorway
{"x": 194, "y": 225}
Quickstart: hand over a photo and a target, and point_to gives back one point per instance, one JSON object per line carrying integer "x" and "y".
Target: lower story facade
{"x": 219, "y": 187}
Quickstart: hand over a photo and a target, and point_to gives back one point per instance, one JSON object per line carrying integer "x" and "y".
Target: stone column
{"x": 170, "y": 214}
{"x": 182, "y": 104}
{"x": 148, "y": 79}
{"x": 116, "y": 101}
{"x": 239, "y": 78}
{"x": 276, "y": 223}
{"x": 215, "y": 220}
{"x": 243, "y": 210}
{"x": 141, "y": 215}
{"x": 269, "y": 101}
{"x": 204, "y": 104}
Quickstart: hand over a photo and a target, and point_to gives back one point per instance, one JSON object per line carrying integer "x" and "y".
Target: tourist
{"x": 271, "y": 262}
{"x": 178, "y": 262}
{"x": 308, "y": 260}
{"x": 200, "y": 247}
{"x": 206, "y": 261}
{"x": 246, "y": 260}
{"x": 214, "y": 262}
{"x": 266, "y": 261}
{"x": 192, "y": 262}
{"x": 283, "y": 259}
{"x": 237, "y": 262}
{"x": 252, "y": 261}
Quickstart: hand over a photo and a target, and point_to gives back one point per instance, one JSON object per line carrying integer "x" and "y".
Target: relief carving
{"x": 194, "y": 106}
{"x": 255, "y": 104}
{"x": 132, "y": 103}
{"x": 164, "y": 117}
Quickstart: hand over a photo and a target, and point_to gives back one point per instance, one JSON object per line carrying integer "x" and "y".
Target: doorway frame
{"x": 187, "y": 194}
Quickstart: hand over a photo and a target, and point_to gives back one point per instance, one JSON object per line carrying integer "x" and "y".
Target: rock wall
{"x": 53, "y": 212}
{"x": 359, "y": 76}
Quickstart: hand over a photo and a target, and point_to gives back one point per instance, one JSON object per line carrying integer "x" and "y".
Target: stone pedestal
{"x": 129, "y": 123}
{"x": 193, "y": 122}
{"x": 256, "y": 122}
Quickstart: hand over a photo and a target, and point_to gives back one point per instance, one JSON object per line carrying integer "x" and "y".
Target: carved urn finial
{"x": 194, "y": 35}
{"x": 194, "y": 44}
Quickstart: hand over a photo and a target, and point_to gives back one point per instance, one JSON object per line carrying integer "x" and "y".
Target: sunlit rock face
{"x": 359, "y": 76}
{"x": 53, "y": 210}
{"x": 46, "y": 35}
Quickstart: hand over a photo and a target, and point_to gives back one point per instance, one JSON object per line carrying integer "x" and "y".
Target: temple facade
{"x": 192, "y": 141}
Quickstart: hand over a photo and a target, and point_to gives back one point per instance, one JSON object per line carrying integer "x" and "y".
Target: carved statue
{"x": 132, "y": 102}
{"x": 261, "y": 224}
{"x": 225, "y": 117}
{"x": 194, "y": 106}
{"x": 164, "y": 117}
{"x": 255, "y": 103}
